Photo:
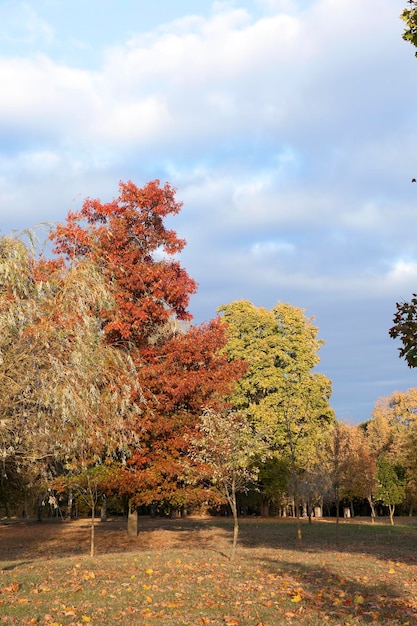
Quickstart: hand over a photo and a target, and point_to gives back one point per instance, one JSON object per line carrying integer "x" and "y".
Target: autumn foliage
{"x": 179, "y": 377}
{"x": 180, "y": 368}
{"x": 129, "y": 242}
{"x": 105, "y": 382}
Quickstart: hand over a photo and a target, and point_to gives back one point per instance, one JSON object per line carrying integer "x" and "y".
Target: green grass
{"x": 177, "y": 573}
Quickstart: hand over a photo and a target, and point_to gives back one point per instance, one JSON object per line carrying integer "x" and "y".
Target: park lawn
{"x": 177, "y": 573}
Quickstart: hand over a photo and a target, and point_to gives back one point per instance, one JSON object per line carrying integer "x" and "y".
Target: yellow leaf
{"x": 149, "y": 571}
{"x": 358, "y": 600}
{"x": 296, "y": 598}
{"x": 391, "y": 571}
{"x": 85, "y": 618}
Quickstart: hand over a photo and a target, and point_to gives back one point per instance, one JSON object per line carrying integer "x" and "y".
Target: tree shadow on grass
{"x": 324, "y": 593}
{"x": 56, "y": 538}
{"x": 386, "y": 542}
{"x": 32, "y": 540}
{"x": 13, "y": 566}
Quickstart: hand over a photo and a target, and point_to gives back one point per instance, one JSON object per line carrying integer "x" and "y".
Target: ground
{"x": 177, "y": 572}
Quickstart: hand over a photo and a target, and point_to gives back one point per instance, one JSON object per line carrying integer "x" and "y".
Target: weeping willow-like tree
{"x": 65, "y": 395}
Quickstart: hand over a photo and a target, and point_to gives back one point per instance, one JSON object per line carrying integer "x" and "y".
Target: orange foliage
{"x": 179, "y": 373}
{"x": 127, "y": 238}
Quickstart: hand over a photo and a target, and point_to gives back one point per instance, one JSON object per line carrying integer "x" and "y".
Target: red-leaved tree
{"x": 179, "y": 372}
{"x": 128, "y": 240}
{"x": 180, "y": 377}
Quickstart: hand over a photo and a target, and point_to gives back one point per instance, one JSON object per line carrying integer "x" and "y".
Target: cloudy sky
{"x": 288, "y": 127}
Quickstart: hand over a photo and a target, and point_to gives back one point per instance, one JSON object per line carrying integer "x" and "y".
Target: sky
{"x": 288, "y": 128}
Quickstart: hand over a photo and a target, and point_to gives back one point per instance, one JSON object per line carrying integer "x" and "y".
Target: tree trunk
{"x": 39, "y": 508}
{"x": 103, "y": 512}
{"x": 132, "y": 522}
{"x": 372, "y": 505}
{"x": 233, "y": 506}
{"x": 26, "y": 507}
{"x": 70, "y": 504}
{"x": 391, "y": 513}
{"x": 264, "y": 507}
{"x": 337, "y": 511}
{"x": 93, "y": 516}
{"x": 299, "y": 531}
{"x": 231, "y": 498}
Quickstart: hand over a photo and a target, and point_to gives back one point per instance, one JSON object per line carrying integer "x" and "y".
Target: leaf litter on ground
{"x": 166, "y": 577}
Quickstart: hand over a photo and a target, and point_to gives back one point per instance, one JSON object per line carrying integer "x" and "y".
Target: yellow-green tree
{"x": 390, "y": 485}
{"x": 392, "y": 435}
{"x": 280, "y": 391}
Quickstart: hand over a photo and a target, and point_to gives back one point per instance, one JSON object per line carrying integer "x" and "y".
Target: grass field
{"x": 177, "y": 573}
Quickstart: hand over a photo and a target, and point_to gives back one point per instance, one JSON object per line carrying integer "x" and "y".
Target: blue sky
{"x": 288, "y": 128}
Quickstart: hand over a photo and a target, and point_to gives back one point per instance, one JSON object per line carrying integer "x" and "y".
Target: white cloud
{"x": 43, "y": 97}
{"x": 132, "y": 122}
{"x": 403, "y": 275}
{"x": 289, "y": 132}
{"x": 198, "y": 79}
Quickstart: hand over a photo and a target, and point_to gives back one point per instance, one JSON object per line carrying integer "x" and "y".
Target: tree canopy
{"x": 105, "y": 381}
{"x": 281, "y": 347}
